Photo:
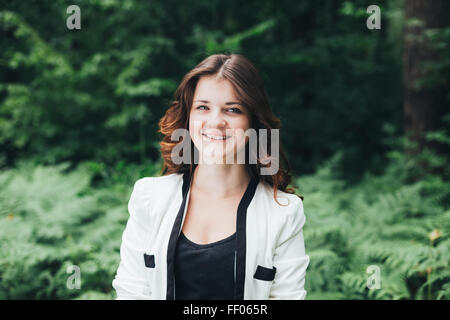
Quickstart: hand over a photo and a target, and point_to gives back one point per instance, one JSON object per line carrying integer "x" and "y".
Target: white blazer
{"x": 270, "y": 258}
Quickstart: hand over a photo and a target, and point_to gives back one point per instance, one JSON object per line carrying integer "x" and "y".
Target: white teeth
{"x": 216, "y": 137}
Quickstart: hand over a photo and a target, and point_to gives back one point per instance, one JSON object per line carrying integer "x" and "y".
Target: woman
{"x": 213, "y": 227}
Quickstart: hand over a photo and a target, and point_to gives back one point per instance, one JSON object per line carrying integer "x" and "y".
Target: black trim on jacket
{"x": 241, "y": 224}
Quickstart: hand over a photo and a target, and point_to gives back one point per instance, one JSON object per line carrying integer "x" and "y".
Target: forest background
{"x": 365, "y": 124}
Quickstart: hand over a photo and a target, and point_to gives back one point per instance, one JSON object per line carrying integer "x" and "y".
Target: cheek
{"x": 241, "y": 123}
{"x": 195, "y": 126}
{"x": 241, "y": 128}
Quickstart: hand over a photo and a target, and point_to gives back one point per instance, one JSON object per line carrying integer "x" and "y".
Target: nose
{"x": 216, "y": 120}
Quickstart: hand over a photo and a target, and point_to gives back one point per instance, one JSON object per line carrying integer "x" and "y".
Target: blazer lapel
{"x": 240, "y": 251}
{"x": 241, "y": 239}
{"x": 170, "y": 295}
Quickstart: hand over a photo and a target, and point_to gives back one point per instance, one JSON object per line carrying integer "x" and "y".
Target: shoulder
{"x": 287, "y": 204}
{"x": 151, "y": 185}
{"x": 148, "y": 189}
{"x": 289, "y": 212}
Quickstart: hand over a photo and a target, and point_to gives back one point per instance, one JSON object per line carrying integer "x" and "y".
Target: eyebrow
{"x": 227, "y": 103}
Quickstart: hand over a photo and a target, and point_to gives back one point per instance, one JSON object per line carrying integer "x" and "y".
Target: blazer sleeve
{"x": 132, "y": 281}
{"x": 290, "y": 258}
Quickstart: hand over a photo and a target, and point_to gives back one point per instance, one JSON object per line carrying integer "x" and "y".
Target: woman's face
{"x": 217, "y": 122}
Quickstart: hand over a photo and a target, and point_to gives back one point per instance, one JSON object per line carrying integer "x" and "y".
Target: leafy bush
{"x": 50, "y": 220}
{"x": 403, "y": 229}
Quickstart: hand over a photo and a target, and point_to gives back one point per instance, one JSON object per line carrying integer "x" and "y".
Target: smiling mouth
{"x": 215, "y": 138}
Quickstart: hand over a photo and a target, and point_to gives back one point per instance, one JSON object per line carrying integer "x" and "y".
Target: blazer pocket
{"x": 263, "y": 273}
{"x": 149, "y": 260}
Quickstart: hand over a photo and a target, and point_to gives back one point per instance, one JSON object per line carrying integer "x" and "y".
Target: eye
{"x": 235, "y": 110}
{"x": 200, "y": 107}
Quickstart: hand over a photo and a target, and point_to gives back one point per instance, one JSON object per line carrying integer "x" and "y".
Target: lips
{"x": 214, "y": 137}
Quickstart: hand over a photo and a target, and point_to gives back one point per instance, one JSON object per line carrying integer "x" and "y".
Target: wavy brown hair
{"x": 248, "y": 86}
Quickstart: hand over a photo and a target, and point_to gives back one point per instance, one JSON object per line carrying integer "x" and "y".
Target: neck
{"x": 220, "y": 180}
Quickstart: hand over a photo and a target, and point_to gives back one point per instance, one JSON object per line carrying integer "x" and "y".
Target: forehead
{"x": 215, "y": 90}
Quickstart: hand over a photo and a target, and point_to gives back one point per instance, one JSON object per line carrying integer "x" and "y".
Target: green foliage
{"x": 75, "y": 96}
{"x": 96, "y": 94}
{"x": 401, "y": 228}
{"x": 50, "y": 220}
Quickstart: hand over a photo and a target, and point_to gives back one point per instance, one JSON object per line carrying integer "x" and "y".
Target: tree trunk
{"x": 423, "y": 108}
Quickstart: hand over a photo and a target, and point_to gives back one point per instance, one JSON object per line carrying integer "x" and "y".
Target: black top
{"x": 240, "y": 245}
{"x": 205, "y": 271}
